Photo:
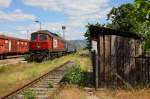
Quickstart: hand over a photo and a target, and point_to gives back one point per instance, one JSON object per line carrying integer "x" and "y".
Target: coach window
{"x": 43, "y": 37}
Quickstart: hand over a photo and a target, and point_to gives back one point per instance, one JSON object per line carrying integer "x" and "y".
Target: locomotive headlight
{"x": 38, "y": 46}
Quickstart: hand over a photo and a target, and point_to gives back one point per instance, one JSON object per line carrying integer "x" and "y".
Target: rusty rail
{"x": 32, "y": 82}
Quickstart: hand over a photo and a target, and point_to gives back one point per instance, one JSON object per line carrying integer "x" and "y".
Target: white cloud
{"x": 80, "y": 12}
{"x": 17, "y": 15}
{"x": 5, "y": 3}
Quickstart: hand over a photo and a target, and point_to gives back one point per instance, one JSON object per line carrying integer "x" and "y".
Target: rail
{"x": 33, "y": 81}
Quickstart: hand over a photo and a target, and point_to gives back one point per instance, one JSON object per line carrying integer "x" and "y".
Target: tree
{"x": 120, "y": 18}
{"x": 142, "y": 14}
{"x": 87, "y": 33}
{"x": 130, "y": 18}
{"x": 142, "y": 10}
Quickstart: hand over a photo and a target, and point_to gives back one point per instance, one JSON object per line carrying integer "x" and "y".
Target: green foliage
{"x": 29, "y": 94}
{"x": 144, "y": 30}
{"x": 141, "y": 10}
{"x": 142, "y": 14}
{"x": 87, "y": 34}
{"x": 120, "y": 18}
{"x": 2, "y": 69}
{"x": 50, "y": 85}
{"x": 131, "y": 18}
{"x": 27, "y": 57}
{"x": 76, "y": 76}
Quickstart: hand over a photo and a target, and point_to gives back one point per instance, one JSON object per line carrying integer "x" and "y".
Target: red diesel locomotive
{"x": 45, "y": 44}
{"x": 12, "y": 46}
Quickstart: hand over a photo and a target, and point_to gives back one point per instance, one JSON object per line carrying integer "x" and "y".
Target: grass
{"x": 74, "y": 92}
{"x": 70, "y": 92}
{"x": 123, "y": 94}
{"x": 29, "y": 94}
{"x": 14, "y": 76}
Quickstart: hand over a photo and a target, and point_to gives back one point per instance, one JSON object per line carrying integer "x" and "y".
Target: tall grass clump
{"x": 75, "y": 75}
{"x": 2, "y": 69}
{"x": 29, "y": 94}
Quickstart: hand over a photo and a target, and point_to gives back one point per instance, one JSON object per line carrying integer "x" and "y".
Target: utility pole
{"x": 27, "y": 34}
{"x": 39, "y": 24}
{"x": 63, "y": 29}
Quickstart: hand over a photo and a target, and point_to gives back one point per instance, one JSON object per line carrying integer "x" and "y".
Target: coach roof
{"x": 9, "y": 37}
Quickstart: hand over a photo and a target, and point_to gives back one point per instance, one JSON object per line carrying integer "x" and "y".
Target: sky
{"x": 17, "y": 17}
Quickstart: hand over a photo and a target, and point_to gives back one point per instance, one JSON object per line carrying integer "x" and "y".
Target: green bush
{"x": 76, "y": 76}
{"x": 27, "y": 57}
{"x": 29, "y": 94}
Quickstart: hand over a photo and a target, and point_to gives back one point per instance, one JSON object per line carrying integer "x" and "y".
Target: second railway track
{"x": 43, "y": 86}
{"x": 11, "y": 61}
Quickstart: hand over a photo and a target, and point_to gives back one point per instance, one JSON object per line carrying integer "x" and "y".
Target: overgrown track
{"x": 11, "y": 61}
{"x": 43, "y": 86}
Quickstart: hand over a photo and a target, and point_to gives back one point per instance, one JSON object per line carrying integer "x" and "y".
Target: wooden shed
{"x": 114, "y": 57}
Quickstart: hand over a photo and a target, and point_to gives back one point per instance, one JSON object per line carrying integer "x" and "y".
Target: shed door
{"x": 9, "y": 44}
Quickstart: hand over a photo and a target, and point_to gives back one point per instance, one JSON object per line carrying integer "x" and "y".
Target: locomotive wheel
{"x": 4, "y": 56}
{"x": 1, "y": 57}
{"x": 39, "y": 60}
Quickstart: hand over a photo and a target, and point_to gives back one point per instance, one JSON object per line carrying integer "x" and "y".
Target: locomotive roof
{"x": 49, "y": 33}
{"x": 9, "y": 37}
{"x": 95, "y": 30}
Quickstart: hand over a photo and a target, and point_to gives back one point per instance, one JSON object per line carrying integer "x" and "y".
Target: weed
{"x": 50, "y": 85}
{"x": 29, "y": 94}
{"x": 27, "y": 57}
{"x": 76, "y": 76}
{"x": 2, "y": 69}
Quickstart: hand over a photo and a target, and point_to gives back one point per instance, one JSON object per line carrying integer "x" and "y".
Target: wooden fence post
{"x": 93, "y": 65}
{"x": 96, "y": 71}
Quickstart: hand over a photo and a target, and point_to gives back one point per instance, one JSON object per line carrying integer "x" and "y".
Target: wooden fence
{"x": 128, "y": 73}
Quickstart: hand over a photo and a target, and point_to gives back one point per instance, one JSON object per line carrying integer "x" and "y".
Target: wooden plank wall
{"x": 118, "y": 55}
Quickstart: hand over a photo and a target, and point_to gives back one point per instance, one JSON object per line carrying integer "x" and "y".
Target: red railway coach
{"x": 12, "y": 46}
{"x": 45, "y": 44}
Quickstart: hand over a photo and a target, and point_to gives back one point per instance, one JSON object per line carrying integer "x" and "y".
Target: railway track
{"x": 11, "y": 61}
{"x": 43, "y": 86}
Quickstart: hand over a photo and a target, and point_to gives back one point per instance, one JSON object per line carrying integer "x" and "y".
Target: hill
{"x": 79, "y": 43}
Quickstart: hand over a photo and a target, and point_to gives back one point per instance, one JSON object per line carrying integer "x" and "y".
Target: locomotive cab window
{"x": 34, "y": 37}
{"x": 42, "y": 37}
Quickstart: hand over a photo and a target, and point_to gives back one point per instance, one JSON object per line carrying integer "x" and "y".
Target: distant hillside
{"x": 79, "y": 43}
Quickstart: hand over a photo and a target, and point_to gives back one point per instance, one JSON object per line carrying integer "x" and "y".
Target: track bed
{"x": 44, "y": 86}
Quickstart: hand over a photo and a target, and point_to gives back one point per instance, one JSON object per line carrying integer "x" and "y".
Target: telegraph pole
{"x": 63, "y": 29}
{"x": 40, "y": 23}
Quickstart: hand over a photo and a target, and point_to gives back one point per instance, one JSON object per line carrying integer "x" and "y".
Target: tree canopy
{"x": 142, "y": 10}
{"x": 120, "y": 19}
{"x": 129, "y": 17}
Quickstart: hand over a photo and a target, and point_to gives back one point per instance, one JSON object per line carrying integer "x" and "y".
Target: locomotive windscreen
{"x": 34, "y": 37}
{"x": 40, "y": 37}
